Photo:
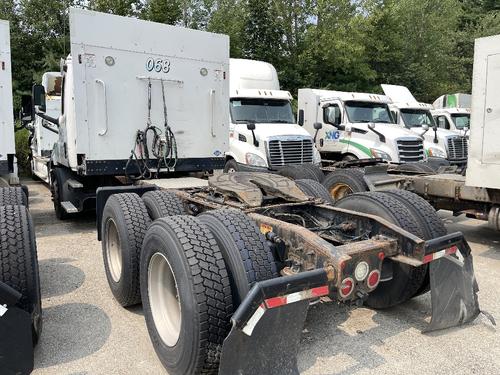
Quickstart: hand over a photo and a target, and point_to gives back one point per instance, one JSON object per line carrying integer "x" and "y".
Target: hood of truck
{"x": 264, "y": 131}
{"x": 390, "y": 131}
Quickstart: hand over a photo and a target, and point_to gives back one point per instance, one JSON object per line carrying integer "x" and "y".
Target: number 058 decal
{"x": 158, "y": 65}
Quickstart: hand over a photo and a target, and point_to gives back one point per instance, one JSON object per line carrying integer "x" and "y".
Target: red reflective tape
{"x": 275, "y": 302}
{"x": 428, "y": 258}
{"x": 320, "y": 291}
{"x": 451, "y": 250}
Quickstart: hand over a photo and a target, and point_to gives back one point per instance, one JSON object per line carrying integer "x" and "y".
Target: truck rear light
{"x": 373, "y": 279}
{"x": 346, "y": 287}
{"x": 361, "y": 271}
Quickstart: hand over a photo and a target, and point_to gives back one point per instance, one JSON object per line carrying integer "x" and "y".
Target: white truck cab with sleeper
{"x": 276, "y": 140}
{"x": 357, "y": 126}
{"x": 452, "y": 112}
{"x": 139, "y": 100}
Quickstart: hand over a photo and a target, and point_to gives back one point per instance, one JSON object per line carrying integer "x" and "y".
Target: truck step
{"x": 74, "y": 184}
{"x": 69, "y": 207}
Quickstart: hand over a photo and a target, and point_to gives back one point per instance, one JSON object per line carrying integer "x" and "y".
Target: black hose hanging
{"x": 164, "y": 150}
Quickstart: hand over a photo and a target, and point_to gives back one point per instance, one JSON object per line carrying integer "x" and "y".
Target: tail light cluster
{"x": 362, "y": 273}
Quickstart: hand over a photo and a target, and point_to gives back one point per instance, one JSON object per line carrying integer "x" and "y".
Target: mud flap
{"x": 453, "y": 291}
{"x": 16, "y": 344}
{"x": 268, "y": 324}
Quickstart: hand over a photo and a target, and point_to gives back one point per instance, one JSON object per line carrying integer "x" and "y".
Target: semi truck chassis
{"x": 322, "y": 253}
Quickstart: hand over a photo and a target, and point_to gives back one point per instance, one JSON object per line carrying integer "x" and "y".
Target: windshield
{"x": 261, "y": 111}
{"x": 368, "y": 112}
{"x": 461, "y": 120}
{"x": 416, "y": 118}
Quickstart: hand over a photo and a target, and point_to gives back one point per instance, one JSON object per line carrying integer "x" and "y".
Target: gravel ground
{"x": 87, "y": 332}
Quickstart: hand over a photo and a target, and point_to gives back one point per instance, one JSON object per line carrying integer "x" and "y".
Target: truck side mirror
{"x": 301, "y": 117}
{"x": 39, "y": 97}
{"x": 251, "y": 127}
{"x": 317, "y": 126}
{"x": 26, "y": 114}
{"x": 435, "y": 128}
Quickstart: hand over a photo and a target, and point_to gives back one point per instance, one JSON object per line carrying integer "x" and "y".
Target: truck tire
{"x": 295, "y": 172}
{"x": 343, "y": 182}
{"x": 406, "y": 280}
{"x": 19, "y": 262}
{"x": 247, "y": 255}
{"x": 57, "y": 194}
{"x": 318, "y": 173}
{"x": 162, "y": 203}
{"x": 428, "y": 219}
{"x": 186, "y": 295}
{"x": 314, "y": 189}
{"x": 415, "y": 168}
{"x": 13, "y": 196}
{"x": 125, "y": 221}
{"x": 231, "y": 166}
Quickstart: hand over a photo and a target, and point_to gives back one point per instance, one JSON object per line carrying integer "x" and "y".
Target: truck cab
{"x": 452, "y": 112}
{"x": 44, "y": 135}
{"x": 263, "y": 134}
{"x": 438, "y": 142}
{"x": 357, "y": 126}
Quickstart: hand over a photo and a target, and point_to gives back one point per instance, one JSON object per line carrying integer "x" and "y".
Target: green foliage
{"x": 23, "y": 151}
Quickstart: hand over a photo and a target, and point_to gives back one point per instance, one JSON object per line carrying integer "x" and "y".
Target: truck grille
{"x": 457, "y": 148}
{"x": 286, "y": 152}
{"x": 410, "y": 150}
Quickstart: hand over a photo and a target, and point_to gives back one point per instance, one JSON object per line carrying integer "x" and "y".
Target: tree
{"x": 164, "y": 11}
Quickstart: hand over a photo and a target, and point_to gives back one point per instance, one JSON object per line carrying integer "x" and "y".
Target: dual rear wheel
{"x": 192, "y": 271}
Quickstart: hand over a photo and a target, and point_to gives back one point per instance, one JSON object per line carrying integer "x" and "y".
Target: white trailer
{"x": 44, "y": 135}
{"x": 277, "y": 141}
{"x": 140, "y": 99}
{"x": 8, "y": 167}
{"x": 416, "y": 116}
{"x": 356, "y": 126}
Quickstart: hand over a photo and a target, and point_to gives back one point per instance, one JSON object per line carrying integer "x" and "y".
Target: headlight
{"x": 316, "y": 156}
{"x": 436, "y": 152}
{"x": 380, "y": 154}
{"x": 256, "y": 160}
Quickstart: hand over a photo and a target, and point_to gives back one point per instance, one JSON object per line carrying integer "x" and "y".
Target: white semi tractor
{"x": 452, "y": 112}
{"x": 356, "y": 126}
{"x": 44, "y": 134}
{"x": 438, "y": 141}
{"x": 263, "y": 132}
{"x": 134, "y": 106}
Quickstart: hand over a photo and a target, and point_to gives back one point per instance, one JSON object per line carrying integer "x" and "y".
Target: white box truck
{"x": 8, "y": 167}
{"x": 44, "y": 135}
{"x": 356, "y": 126}
{"x": 139, "y": 99}
{"x": 452, "y": 111}
{"x": 438, "y": 141}
{"x": 273, "y": 140}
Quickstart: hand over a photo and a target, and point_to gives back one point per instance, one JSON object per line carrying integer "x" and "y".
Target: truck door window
{"x": 461, "y": 120}
{"x": 358, "y": 112}
{"x": 331, "y": 115}
{"x": 442, "y": 122}
{"x": 258, "y": 110}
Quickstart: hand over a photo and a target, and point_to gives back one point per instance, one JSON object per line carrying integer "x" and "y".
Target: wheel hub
{"x": 113, "y": 251}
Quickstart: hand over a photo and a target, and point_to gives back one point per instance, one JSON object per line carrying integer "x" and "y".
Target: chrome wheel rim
{"x": 164, "y": 299}
{"x": 113, "y": 251}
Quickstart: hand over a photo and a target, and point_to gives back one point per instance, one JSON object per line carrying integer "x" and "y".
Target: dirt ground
{"x": 87, "y": 332}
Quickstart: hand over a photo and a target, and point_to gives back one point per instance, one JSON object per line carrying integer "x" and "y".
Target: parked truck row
{"x": 229, "y": 265}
